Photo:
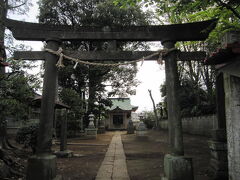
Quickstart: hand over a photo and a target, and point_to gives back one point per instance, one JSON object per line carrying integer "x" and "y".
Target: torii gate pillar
{"x": 176, "y": 166}
{"x": 42, "y": 166}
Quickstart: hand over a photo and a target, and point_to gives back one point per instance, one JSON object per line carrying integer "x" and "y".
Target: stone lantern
{"x": 91, "y": 131}
{"x": 130, "y": 127}
{"x": 141, "y": 130}
{"x": 91, "y": 121}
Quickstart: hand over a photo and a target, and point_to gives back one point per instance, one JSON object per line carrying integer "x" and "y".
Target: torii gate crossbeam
{"x": 109, "y": 55}
{"x": 177, "y": 32}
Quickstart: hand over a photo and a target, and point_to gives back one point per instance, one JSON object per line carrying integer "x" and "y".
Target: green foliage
{"x": 16, "y": 86}
{"x": 197, "y": 81}
{"x": 71, "y": 98}
{"x": 15, "y": 95}
{"x": 149, "y": 119}
{"x": 194, "y": 101}
{"x": 179, "y": 11}
{"x": 28, "y": 136}
{"x": 93, "y": 79}
{"x": 74, "y": 100}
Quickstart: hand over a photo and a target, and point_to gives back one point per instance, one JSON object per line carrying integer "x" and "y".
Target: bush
{"x": 28, "y": 136}
{"x": 149, "y": 123}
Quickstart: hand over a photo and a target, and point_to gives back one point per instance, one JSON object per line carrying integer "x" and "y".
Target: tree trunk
{"x": 3, "y": 133}
{"x": 4, "y": 143}
{"x": 3, "y": 124}
{"x": 154, "y": 109}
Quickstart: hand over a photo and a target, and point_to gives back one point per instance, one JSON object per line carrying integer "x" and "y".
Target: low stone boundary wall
{"x": 201, "y": 125}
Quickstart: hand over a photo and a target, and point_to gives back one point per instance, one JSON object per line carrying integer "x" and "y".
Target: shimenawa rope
{"x": 59, "y": 52}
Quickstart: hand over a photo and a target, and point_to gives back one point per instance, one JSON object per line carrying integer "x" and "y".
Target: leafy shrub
{"x": 149, "y": 119}
{"x": 28, "y": 136}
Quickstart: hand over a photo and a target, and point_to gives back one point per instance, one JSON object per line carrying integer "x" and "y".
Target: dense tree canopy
{"x": 179, "y": 11}
{"x": 196, "y": 80}
{"x": 16, "y": 86}
{"x": 94, "y": 80}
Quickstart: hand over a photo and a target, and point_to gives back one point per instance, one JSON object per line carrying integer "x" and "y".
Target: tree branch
{"x": 154, "y": 108}
{"x": 17, "y": 6}
{"x": 228, "y": 7}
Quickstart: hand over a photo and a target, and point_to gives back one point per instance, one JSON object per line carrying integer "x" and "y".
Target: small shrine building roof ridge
{"x": 123, "y": 104}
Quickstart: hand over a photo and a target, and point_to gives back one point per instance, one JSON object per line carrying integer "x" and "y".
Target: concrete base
{"x": 141, "y": 135}
{"x": 141, "y": 130}
{"x": 101, "y": 130}
{"x": 218, "y": 166}
{"x": 64, "y": 154}
{"x": 42, "y": 167}
{"x": 177, "y": 168}
{"x": 130, "y": 130}
{"x": 91, "y": 133}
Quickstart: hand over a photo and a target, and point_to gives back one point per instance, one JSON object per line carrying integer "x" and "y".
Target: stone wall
{"x": 195, "y": 125}
{"x": 13, "y": 125}
{"x": 232, "y": 102}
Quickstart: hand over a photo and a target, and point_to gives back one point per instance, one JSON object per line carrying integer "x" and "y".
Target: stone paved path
{"x": 114, "y": 165}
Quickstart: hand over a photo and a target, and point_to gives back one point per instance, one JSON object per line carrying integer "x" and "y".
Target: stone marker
{"x": 130, "y": 127}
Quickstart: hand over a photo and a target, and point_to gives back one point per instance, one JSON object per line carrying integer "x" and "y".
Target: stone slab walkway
{"x": 114, "y": 165}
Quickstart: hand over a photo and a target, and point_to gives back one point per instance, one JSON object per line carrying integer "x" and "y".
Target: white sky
{"x": 150, "y": 74}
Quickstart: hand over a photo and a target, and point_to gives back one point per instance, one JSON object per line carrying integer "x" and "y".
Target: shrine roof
{"x": 123, "y": 104}
{"x": 225, "y": 55}
{"x": 58, "y": 104}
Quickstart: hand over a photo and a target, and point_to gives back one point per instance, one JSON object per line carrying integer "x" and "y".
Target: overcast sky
{"x": 150, "y": 74}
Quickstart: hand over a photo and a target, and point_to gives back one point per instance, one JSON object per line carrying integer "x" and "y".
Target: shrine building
{"x": 119, "y": 113}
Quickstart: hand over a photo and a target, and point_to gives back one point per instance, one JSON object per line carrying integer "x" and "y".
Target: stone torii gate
{"x": 42, "y": 166}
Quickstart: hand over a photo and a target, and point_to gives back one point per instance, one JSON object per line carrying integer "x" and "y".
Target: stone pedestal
{"x": 91, "y": 133}
{"x": 177, "y": 168}
{"x": 218, "y": 168}
{"x": 101, "y": 130}
{"x": 130, "y": 127}
{"x": 141, "y": 131}
{"x": 41, "y": 167}
{"x": 64, "y": 154}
